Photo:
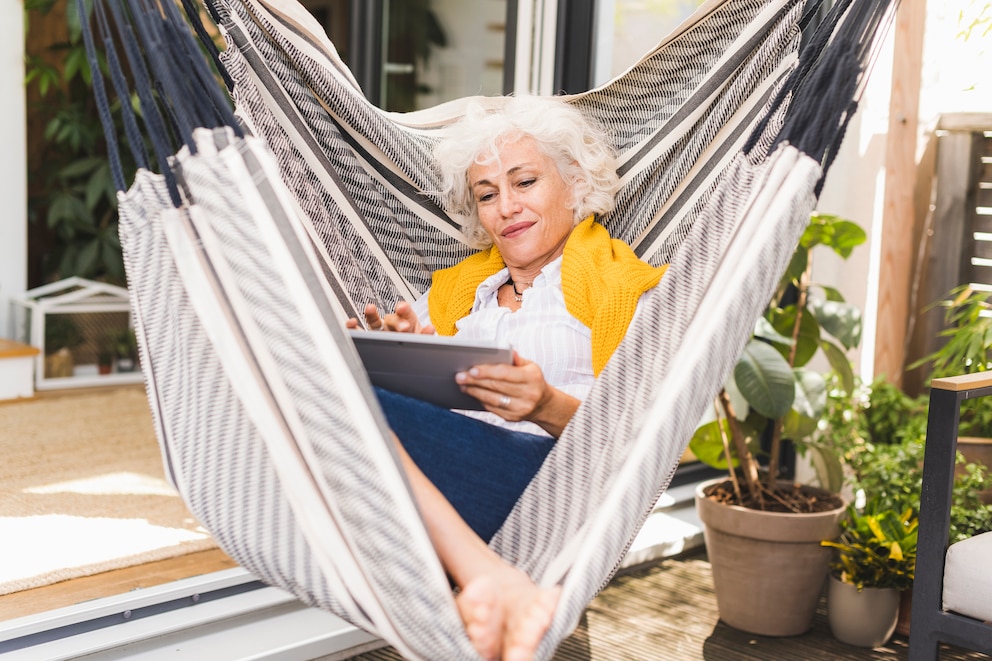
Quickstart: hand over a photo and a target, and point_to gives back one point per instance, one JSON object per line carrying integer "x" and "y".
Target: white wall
{"x": 13, "y": 160}
{"x": 854, "y": 190}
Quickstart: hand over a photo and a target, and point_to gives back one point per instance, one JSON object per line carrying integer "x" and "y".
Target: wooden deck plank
{"x": 667, "y": 611}
{"x": 106, "y": 584}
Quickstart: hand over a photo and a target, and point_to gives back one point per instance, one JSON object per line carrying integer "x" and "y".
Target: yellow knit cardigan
{"x": 602, "y": 280}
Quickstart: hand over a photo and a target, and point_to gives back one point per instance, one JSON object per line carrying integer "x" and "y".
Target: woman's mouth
{"x": 516, "y": 229}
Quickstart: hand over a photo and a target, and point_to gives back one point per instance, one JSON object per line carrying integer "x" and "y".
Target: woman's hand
{"x": 403, "y": 320}
{"x": 519, "y": 392}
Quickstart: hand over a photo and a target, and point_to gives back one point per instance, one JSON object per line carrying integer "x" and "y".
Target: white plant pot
{"x": 864, "y": 619}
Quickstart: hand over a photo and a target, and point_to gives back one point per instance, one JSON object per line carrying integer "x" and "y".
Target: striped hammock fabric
{"x": 263, "y": 230}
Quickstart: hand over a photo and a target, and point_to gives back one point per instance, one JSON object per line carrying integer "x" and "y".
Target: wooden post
{"x": 900, "y": 175}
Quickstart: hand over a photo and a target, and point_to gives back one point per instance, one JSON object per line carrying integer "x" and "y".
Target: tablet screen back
{"x": 424, "y": 366}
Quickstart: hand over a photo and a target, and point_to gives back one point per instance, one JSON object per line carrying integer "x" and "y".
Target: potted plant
{"x": 883, "y": 445}
{"x": 126, "y": 350}
{"x": 874, "y": 563}
{"x": 104, "y": 361}
{"x": 62, "y": 336}
{"x": 763, "y": 534}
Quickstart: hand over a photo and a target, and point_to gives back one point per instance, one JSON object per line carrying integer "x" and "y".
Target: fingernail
{"x": 474, "y": 371}
{"x": 460, "y": 377}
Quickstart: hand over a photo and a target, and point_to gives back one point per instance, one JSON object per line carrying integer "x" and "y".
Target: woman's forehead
{"x": 511, "y": 156}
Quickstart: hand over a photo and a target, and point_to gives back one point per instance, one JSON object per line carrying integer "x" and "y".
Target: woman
{"x": 528, "y": 178}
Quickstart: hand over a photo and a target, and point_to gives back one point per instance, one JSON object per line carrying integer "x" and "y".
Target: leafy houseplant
{"x": 968, "y": 349}
{"x": 73, "y": 203}
{"x": 126, "y": 350}
{"x": 62, "y": 336}
{"x": 874, "y": 563}
{"x": 783, "y": 396}
{"x": 762, "y": 535}
{"x": 881, "y": 433}
{"x": 877, "y": 548}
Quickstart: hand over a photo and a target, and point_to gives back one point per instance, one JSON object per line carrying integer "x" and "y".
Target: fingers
{"x": 372, "y": 319}
{"x": 403, "y": 320}
{"x": 513, "y": 392}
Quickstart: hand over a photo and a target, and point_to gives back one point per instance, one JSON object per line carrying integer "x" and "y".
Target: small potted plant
{"x": 62, "y": 336}
{"x": 883, "y": 444}
{"x": 875, "y": 560}
{"x": 104, "y": 361}
{"x": 126, "y": 349}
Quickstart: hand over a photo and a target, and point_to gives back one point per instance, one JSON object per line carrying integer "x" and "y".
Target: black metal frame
{"x": 930, "y": 624}
{"x": 573, "y": 46}
{"x": 366, "y": 47}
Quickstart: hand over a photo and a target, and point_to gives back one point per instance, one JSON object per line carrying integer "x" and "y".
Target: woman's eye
{"x": 485, "y": 197}
{"x": 527, "y": 182}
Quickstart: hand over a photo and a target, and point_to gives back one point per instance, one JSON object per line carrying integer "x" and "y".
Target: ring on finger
{"x": 504, "y": 402}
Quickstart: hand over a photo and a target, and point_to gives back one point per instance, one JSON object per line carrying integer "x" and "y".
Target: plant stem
{"x": 727, "y": 455}
{"x": 775, "y": 454}
{"x": 744, "y": 458}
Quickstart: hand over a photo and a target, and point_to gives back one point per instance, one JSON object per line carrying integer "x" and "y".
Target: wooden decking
{"x": 667, "y": 612}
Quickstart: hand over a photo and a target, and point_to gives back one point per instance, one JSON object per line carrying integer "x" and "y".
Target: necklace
{"x": 517, "y": 295}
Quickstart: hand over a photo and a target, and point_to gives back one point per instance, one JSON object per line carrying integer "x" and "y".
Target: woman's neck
{"x": 526, "y": 275}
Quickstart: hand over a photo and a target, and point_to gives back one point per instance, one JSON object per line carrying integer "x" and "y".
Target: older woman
{"x": 529, "y": 178}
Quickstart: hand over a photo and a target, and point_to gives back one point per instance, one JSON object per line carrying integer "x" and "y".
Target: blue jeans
{"x": 480, "y": 468}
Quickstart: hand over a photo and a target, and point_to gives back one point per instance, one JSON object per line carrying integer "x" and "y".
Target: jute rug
{"x": 82, "y": 489}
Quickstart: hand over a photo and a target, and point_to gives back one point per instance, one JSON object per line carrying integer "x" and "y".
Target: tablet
{"x": 424, "y": 366}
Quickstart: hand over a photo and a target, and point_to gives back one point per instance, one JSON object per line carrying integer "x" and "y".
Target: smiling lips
{"x": 517, "y": 229}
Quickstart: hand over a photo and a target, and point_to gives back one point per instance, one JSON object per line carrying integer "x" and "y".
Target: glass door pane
{"x": 439, "y": 50}
{"x": 627, "y": 29}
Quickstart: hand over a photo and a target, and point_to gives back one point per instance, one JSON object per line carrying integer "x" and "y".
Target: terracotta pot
{"x": 866, "y": 618}
{"x": 768, "y": 567}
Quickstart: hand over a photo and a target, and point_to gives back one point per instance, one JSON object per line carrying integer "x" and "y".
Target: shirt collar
{"x": 550, "y": 275}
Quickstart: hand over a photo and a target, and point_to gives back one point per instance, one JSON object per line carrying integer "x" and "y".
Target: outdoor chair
{"x": 951, "y": 590}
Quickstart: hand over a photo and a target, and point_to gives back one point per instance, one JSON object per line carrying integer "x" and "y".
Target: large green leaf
{"x": 81, "y": 166}
{"x": 829, "y": 468}
{"x": 798, "y": 264}
{"x": 707, "y": 444}
{"x": 842, "y": 320}
{"x": 811, "y": 393}
{"x": 96, "y": 186}
{"x": 808, "y": 341}
{"x": 65, "y": 209}
{"x": 840, "y": 364}
{"x": 763, "y": 329}
{"x": 87, "y": 257}
{"x": 841, "y": 236}
{"x": 796, "y": 426}
{"x": 765, "y": 379}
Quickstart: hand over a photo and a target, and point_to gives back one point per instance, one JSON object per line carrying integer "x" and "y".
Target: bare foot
{"x": 505, "y": 614}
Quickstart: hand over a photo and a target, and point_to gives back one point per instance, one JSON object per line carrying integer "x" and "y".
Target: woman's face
{"x": 524, "y": 205}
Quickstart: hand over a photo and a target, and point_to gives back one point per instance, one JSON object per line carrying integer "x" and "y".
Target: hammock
{"x": 262, "y": 232}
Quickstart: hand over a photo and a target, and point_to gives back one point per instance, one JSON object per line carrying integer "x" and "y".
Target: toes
{"x": 477, "y": 604}
{"x": 528, "y": 630}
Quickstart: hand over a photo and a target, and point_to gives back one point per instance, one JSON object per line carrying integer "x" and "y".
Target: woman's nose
{"x": 508, "y": 203}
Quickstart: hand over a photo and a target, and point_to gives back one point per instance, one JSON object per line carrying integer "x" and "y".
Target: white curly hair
{"x": 578, "y": 147}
